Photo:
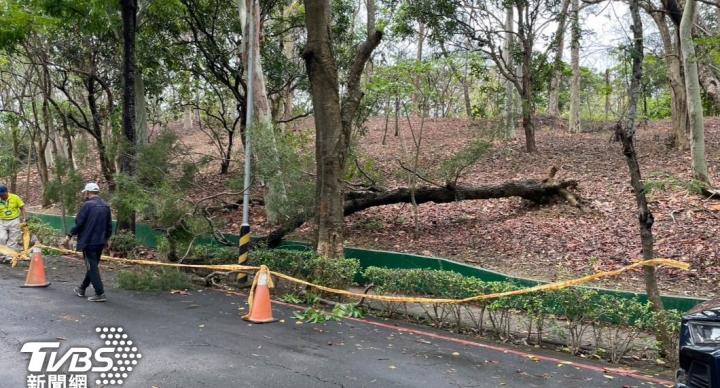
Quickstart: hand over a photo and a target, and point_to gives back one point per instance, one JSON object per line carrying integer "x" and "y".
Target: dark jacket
{"x": 93, "y": 224}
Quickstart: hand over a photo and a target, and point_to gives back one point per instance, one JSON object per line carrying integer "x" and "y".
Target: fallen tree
{"x": 532, "y": 190}
{"x": 539, "y": 191}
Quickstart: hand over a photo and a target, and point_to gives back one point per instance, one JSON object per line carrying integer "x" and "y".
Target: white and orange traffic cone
{"x": 260, "y": 307}
{"x": 36, "y": 274}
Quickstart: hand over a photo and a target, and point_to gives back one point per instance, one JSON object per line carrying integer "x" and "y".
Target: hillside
{"x": 511, "y": 236}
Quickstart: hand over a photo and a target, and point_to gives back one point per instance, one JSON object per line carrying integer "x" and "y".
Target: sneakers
{"x": 97, "y": 298}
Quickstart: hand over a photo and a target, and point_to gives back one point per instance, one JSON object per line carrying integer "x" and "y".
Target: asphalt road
{"x": 199, "y": 340}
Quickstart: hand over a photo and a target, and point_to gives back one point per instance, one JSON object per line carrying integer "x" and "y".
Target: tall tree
{"x": 127, "y": 154}
{"x": 673, "y": 58}
{"x": 333, "y": 117}
{"x": 509, "y": 88}
{"x": 626, "y": 133}
{"x": 574, "y": 124}
{"x": 558, "y": 64}
{"x": 692, "y": 86}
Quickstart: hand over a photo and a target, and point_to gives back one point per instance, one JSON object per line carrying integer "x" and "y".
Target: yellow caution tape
{"x": 394, "y": 298}
{"x": 15, "y": 255}
{"x": 385, "y": 298}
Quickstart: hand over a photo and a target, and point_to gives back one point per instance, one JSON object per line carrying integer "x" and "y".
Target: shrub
{"x": 500, "y": 309}
{"x": 440, "y": 284}
{"x": 666, "y": 324}
{"x": 335, "y": 273}
{"x": 629, "y": 317}
{"x": 537, "y": 310}
{"x": 153, "y": 280}
{"x": 424, "y": 282}
{"x": 282, "y": 260}
{"x": 577, "y": 306}
{"x": 453, "y": 168}
{"x": 124, "y": 244}
{"x": 42, "y": 231}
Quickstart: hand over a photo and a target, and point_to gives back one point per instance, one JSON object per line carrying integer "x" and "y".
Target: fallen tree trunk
{"x": 534, "y": 190}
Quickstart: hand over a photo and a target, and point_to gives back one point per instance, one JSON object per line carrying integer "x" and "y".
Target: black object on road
{"x": 700, "y": 348}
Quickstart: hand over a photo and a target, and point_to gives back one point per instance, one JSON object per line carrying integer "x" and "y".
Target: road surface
{"x": 199, "y": 340}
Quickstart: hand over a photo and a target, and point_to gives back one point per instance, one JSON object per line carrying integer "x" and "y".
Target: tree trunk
{"x": 225, "y": 162}
{"x": 418, "y": 58}
{"x": 329, "y": 150}
{"x": 678, "y": 96}
{"x": 710, "y": 83}
{"x": 692, "y": 86}
{"x": 43, "y": 137}
{"x": 333, "y": 121}
{"x": 556, "y": 80}
{"x": 538, "y": 191}
{"x": 574, "y": 124}
{"x": 607, "y": 94}
{"x": 283, "y": 105}
{"x": 626, "y": 135}
{"x": 466, "y": 94}
{"x": 397, "y": 116}
{"x": 107, "y": 167}
{"x": 16, "y": 158}
{"x": 509, "y": 117}
{"x": 141, "y": 126}
{"x": 126, "y": 222}
{"x": 527, "y": 82}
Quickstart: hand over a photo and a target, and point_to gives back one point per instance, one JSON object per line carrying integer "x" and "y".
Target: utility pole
{"x": 249, "y": 120}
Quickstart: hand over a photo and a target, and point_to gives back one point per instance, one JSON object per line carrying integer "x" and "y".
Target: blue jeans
{"x": 92, "y": 276}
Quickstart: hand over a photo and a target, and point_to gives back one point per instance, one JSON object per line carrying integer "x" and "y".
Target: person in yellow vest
{"x": 12, "y": 213}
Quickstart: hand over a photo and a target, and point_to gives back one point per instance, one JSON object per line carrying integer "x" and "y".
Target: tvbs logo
{"x": 51, "y": 367}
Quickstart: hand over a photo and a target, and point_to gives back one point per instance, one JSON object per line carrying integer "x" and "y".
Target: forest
{"x": 540, "y": 138}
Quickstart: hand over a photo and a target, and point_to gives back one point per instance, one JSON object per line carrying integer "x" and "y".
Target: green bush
{"x": 282, "y": 260}
{"x": 615, "y": 322}
{"x": 627, "y": 318}
{"x": 153, "y": 280}
{"x": 335, "y": 273}
{"x": 423, "y": 282}
{"x": 43, "y": 232}
{"x": 211, "y": 254}
{"x": 124, "y": 244}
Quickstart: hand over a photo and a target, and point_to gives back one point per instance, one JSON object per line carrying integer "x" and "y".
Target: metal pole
{"x": 245, "y": 228}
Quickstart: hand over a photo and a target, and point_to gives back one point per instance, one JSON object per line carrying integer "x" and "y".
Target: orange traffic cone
{"x": 259, "y": 301}
{"x": 36, "y": 275}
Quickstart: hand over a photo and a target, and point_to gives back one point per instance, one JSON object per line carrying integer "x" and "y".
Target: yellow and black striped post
{"x": 244, "y": 250}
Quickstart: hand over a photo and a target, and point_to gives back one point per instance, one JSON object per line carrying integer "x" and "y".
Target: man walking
{"x": 93, "y": 228}
{"x": 12, "y": 210}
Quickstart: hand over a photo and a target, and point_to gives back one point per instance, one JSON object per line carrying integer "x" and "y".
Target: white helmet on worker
{"x": 91, "y": 187}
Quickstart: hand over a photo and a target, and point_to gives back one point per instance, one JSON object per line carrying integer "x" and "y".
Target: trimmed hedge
{"x": 615, "y": 322}
{"x": 335, "y": 273}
